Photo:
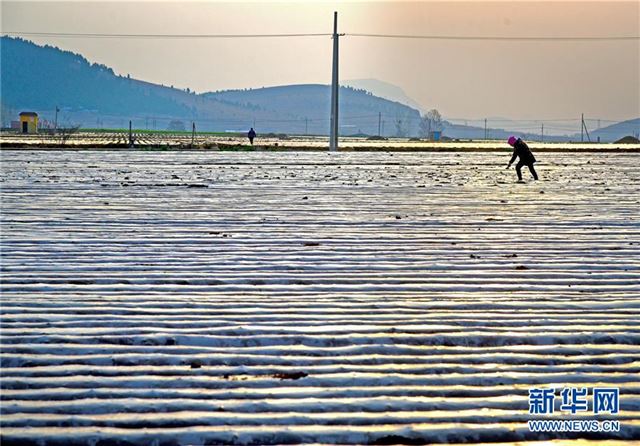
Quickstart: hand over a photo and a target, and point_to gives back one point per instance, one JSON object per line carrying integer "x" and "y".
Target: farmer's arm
{"x": 513, "y": 158}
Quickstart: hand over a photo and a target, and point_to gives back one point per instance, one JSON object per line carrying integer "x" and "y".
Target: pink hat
{"x": 512, "y": 140}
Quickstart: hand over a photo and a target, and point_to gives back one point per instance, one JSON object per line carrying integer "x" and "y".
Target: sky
{"x": 462, "y": 79}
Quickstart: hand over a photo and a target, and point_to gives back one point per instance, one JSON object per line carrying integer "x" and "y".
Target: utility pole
{"x": 584, "y": 125}
{"x": 193, "y": 133}
{"x": 584, "y": 130}
{"x": 55, "y": 125}
{"x": 306, "y": 126}
{"x": 485, "y": 128}
{"x": 542, "y": 132}
{"x": 379, "y": 122}
{"x": 130, "y": 135}
{"x": 333, "y": 131}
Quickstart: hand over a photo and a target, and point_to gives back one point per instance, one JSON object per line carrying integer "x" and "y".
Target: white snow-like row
{"x": 266, "y": 298}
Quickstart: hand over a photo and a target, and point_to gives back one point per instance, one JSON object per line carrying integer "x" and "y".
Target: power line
{"x": 160, "y": 36}
{"x": 505, "y": 38}
{"x": 507, "y": 120}
{"x": 392, "y": 36}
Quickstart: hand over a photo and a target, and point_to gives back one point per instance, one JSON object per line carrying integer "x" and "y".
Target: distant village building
{"x": 29, "y": 122}
{"x": 435, "y": 135}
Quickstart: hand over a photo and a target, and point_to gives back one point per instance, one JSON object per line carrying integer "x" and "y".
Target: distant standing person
{"x": 251, "y": 135}
{"x": 521, "y": 150}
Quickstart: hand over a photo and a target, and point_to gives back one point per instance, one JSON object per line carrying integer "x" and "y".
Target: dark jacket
{"x": 251, "y": 134}
{"x": 521, "y": 150}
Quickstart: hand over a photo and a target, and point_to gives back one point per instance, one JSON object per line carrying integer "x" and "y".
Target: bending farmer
{"x": 521, "y": 150}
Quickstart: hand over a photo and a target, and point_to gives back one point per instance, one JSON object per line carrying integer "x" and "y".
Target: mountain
{"x": 41, "y": 78}
{"x": 359, "y": 109}
{"x": 473, "y": 132}
{"x": 385, "y": 90}
{"x": 616, "y": 131}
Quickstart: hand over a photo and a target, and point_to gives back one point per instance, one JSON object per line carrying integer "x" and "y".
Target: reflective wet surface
{"x": 312, "y": 297}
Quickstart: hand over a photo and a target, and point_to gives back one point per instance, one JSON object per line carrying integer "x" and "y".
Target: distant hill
{"x": 385, "y": 90}
{"x": 474, "y": 132}
{"x": 41, "y": 78}
{"x": 310, "y": 104}
{"x": 610, "y": 133}
{"x": 616, "y": 131}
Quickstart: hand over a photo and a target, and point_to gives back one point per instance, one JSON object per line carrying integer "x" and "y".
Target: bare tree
{"x": 402, "y": 124}
{"x": 430, "y": 122}
{"x": 176, "y": 126}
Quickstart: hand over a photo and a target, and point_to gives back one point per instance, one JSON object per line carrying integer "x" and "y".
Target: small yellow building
{"x": 29, "y": 122}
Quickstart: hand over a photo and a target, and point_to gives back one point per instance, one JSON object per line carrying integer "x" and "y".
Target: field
{"x": 170, "y": 298}
{"x": 156, "y": 140}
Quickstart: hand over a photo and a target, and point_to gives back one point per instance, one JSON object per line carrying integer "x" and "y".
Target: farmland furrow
{"x": 269, "y": 298}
